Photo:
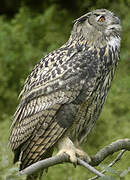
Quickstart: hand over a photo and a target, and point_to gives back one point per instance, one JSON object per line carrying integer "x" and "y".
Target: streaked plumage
{"x": 64, "y": 95}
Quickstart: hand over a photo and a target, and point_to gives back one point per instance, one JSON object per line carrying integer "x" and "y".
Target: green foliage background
{"x": 30, "y": 29}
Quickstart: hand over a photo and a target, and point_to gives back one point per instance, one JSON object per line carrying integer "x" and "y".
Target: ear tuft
{"x": 81, "y": 19}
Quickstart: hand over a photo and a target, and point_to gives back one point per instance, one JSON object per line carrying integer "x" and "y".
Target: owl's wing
{"x": 40, "y": 110}
{"x": 55, "y": 75}
{"x": 48, "y": 87}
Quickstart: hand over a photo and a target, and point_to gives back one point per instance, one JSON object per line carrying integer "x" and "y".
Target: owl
{"x": 63, "y": 96}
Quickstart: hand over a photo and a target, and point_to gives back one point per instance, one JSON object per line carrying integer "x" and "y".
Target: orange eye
{"x": 101, "y": 19}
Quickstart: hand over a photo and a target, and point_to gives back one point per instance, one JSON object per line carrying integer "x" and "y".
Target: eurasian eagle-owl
{"x": 64, "y": 94}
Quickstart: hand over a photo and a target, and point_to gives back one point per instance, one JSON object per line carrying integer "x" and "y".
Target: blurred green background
{"x": 29, "y": 29}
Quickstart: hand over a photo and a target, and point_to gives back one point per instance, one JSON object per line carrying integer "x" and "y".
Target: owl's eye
{"x": 101, "y": 19}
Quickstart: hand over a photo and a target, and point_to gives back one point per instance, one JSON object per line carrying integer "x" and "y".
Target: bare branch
{"x": 45, "y": 163}
{"x": 110, "y": 149}
{"x": 89, "y": 167}
{"x": 57, "y": 160}
{"x": 111, "y": 164}
{"x": 95, "y": 160}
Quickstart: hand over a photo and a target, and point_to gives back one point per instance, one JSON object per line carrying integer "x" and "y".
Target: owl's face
{"x": 100, "y": 22}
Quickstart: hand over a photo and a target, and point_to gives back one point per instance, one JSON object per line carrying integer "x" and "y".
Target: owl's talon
{"x": 83, "y": 155}
{"x": 65, "y": 145}
{"x": 71, "y": 154}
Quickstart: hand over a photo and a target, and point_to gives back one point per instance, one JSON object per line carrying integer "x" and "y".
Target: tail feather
{"x": 38, "y": 174}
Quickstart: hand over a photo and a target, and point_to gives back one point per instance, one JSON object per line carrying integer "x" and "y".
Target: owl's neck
{"x": 106, "y": 48}
{"x": 89, "y": 37}
{"x": 93, "y": 37}
{"x": 114, "y": 42}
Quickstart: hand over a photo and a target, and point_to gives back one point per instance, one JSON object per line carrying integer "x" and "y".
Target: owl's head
{"x": 98, "y": 25}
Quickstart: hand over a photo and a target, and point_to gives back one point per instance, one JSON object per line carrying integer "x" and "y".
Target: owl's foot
{"x": 65, "y": 145}
{"x": 82, "y": 155}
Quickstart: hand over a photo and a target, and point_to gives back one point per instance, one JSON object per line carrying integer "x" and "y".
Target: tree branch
{"x": 95, "y": 160}
{"x": 57, "y": 160}
{"x": 111, "y": 164}
{"x": 110, "y": 149}
{"x": 89, "y": 167}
